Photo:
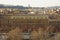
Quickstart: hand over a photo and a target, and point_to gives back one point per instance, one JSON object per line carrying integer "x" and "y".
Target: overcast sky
{"x": 33, "y": 3}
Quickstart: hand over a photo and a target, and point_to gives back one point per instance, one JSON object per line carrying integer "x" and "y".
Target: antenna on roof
{"x": 29, "y": 5}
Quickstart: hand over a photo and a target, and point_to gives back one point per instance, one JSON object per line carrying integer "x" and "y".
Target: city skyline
{"x": 33, "y": 3}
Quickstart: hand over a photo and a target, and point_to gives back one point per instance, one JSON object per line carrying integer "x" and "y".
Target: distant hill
{"x": 11, "y": 6}
{"x": 22, "y": 7}
{"x": 54, "y": 7}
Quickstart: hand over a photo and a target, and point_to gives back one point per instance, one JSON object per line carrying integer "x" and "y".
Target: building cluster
{"x": 10, "y": 11}
{"x": 32, "y": 22}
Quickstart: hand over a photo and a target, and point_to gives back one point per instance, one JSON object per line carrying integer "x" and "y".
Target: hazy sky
{"x": 34, "y": 3}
